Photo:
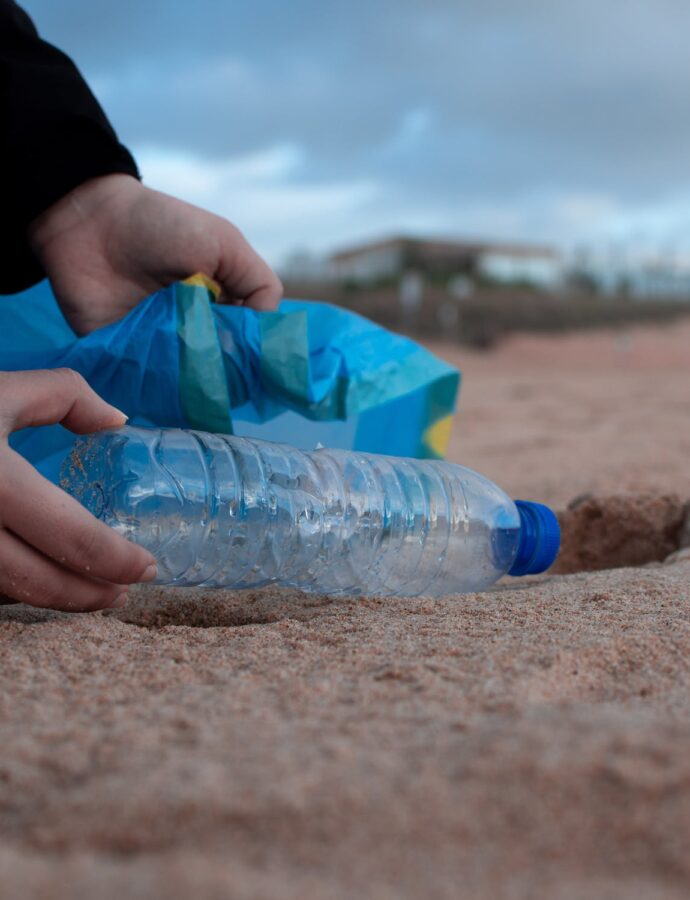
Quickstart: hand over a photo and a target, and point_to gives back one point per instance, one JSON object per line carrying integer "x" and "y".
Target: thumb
{"x": 243, "y": 275}
{"x": 47, "y": 396}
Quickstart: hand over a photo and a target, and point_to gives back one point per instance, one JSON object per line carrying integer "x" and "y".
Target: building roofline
{"x": 448, "y": 245}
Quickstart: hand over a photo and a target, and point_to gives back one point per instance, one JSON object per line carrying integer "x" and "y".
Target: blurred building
{"x": 448, "y": 261}
{"x": 305, "y": 266}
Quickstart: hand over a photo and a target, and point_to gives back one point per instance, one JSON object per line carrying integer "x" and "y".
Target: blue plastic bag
{"x": 309, "y": 373}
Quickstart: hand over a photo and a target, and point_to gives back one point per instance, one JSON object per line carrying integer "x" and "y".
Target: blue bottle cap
{"x": 540, "y": 539}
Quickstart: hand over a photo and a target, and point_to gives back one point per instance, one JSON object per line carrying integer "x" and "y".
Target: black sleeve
{"x": 53, "y": 137}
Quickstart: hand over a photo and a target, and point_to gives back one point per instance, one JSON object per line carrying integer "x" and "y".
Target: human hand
{"x": 53, "y": 553}
{"x": 111, "y": 242}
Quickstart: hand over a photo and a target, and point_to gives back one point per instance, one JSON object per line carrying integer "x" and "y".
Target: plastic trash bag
{"x": 310, "y": 373}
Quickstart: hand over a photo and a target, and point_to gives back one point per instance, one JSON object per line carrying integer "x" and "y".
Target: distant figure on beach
{"x": 74, "y": 210}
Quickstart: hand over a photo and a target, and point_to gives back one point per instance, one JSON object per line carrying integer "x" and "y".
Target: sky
{"x": 316, "y": 125}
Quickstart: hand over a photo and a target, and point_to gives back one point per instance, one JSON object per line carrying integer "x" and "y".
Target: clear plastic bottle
{"x": 225, "y": 511}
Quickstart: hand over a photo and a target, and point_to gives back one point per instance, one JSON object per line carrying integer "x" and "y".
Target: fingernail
{"x": 150, "y": 573}
{"x": 120, "y": 601}
{"x": 122, "y": 415}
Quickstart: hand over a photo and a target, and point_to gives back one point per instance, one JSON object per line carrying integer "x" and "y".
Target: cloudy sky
{"x": 312, "y": 123}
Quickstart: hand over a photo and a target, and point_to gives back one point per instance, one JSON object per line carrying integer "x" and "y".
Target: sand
{"x": 602, "y": 412}
{"x": 528, "y": 742}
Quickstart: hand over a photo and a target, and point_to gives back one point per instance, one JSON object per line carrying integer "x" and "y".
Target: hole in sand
{"x": 624, "y": 530}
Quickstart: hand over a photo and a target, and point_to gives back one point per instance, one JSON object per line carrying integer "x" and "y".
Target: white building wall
{"x": 541, "y": 271}
{"x": 378, "y": 262}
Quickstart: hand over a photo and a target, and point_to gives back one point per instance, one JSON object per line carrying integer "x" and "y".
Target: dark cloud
{"x": 512, "y": 97}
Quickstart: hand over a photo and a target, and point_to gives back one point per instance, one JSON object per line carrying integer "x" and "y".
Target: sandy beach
{"x": 529, "y": 742}
{"x": 550, "y": 418}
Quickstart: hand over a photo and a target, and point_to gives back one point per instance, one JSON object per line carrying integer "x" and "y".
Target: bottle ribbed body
{"x": 224, "y": 511}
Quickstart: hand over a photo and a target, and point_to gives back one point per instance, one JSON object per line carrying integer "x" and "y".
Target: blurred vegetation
{"x": 490, "y": 312}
